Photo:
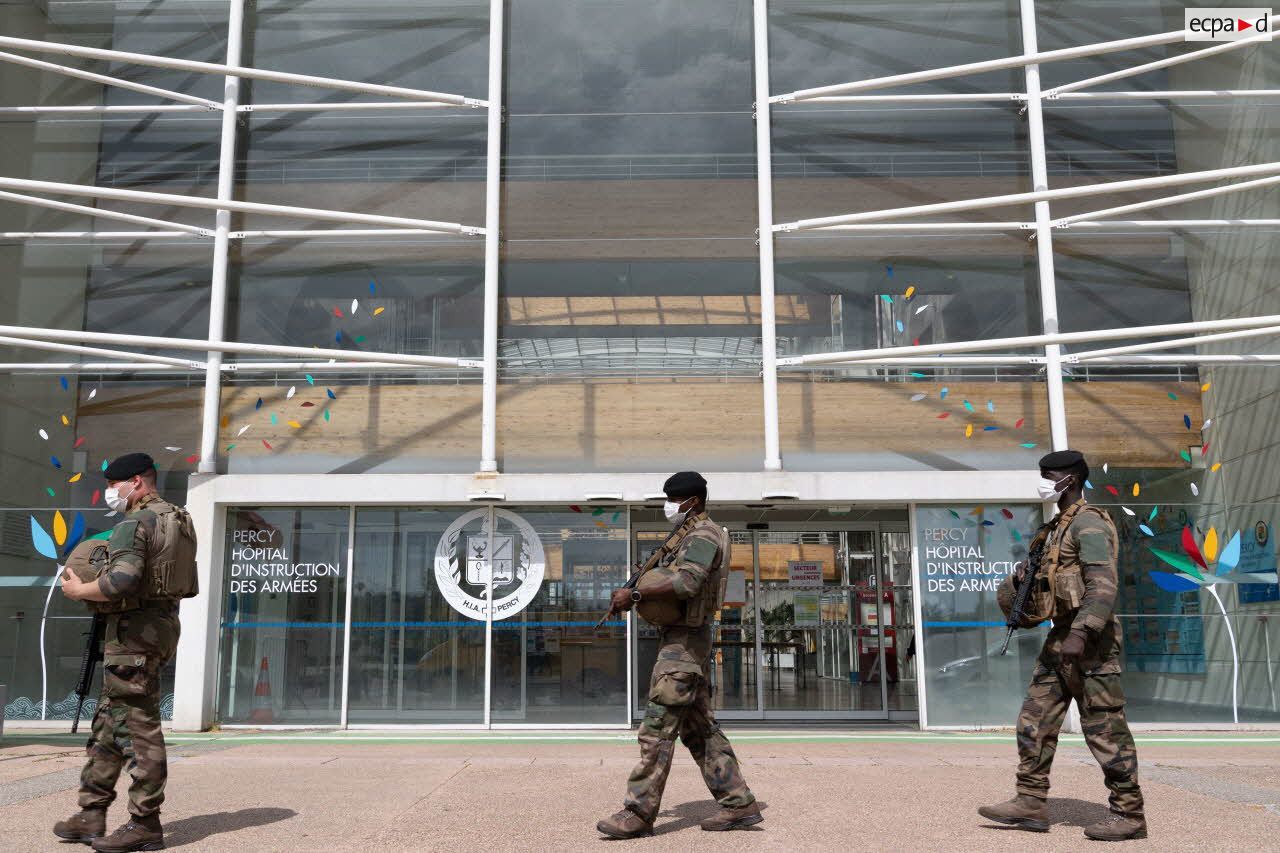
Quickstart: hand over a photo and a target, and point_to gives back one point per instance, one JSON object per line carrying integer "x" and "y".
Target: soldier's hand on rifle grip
{"x": 620, "y": 601}
{"x": 1019, "y": 572}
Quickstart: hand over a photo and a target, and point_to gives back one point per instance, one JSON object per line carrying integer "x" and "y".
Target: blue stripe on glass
{"x": 965, "y": 625}
{"x": 466, "y": 623}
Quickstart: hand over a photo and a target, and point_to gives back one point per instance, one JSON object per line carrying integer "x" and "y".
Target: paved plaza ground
{"x": 878, "y": 789}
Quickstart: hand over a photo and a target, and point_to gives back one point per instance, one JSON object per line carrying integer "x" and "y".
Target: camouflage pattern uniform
{"x": 140, "y": 639}
{"x": 1084, "y": 600}
{"x": 679, "y": 690}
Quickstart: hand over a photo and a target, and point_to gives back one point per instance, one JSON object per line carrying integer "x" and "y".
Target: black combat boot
{"x": 1118, "y": 827}
{"x": 85, "y": 825}
{"x": 140, "y": 833}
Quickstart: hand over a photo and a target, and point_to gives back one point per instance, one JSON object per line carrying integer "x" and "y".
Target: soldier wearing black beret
{"x": 150, "y": 566}
{"x": 1080, "y": 660}
{"x": 681, "y": 595}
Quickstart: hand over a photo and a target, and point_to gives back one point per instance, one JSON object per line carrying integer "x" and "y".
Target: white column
{"x": 221, "y": 240}
{"x": 1043, "y": 232}
{"x": 764, "y": 192}
{"x": 492, "y": 185}
{"x": 196, "y": 676}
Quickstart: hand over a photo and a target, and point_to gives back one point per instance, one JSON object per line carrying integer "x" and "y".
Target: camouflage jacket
{"x": 1086, "y": 580}
{"x": 699, "y": 560}
{"x": 132, "y": 544}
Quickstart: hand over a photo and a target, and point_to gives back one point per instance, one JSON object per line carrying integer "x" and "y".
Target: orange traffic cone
{"x": 262, "y": 712}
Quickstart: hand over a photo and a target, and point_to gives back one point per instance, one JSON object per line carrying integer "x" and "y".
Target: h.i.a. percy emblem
{"x": 470, "y": 556}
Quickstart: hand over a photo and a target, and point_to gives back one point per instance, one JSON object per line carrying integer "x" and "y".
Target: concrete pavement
{"x": 513, "y": 791}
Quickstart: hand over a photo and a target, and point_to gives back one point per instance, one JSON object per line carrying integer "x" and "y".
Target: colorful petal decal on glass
{"x": 337, "y": 338}
{"x": 295, "y": 424}
{"x": 1145, "y": 529}
{"x": 898, "y": 325}
{"x": 355, "y": 306}
{"x": 1186, "y": 421}
{"x": 1172, "y": 396}
{"x": 1230, "y": 557}
{"x": 944, "y": 415}
{"x": 1088, "y": 485}
{"x": 266, "y": 444}
{"x": 77, "y": 533}
{"x": 50, "y": 492}
{"x": 44, "y": 545}
{"x": 293, "y": 389}
{"x": 887, "y": 298}
{"x": 917, "y": 375}
{"x": 332, "y": 396}
{"x": 1195, "y": 490}
{"x": 1128, "y": 511}
{"x": 75, "y": 478}
{"x": 1030, "y": 445}
{"x": 243, "y": 430}
{"x": 1136, "y": 489}
{"x": 1155, "y": 510}
{"x": 79, "y": 441}
{"x": 308, "y": 404}
{"x": 378, "y": 310}
{"x": 53, "y": 460}
{"x": 193, "y": 458}
{"x": 916, "y": 398}
{"x": 1113, "y": 490}
{"x": 104, "y": 464}
{"x": 888, "y": 270}
{"x": 1193, "y": 550}
{"x": 97, "y": 495}
{"x": 373, "y": 287}
{"x": 968, "y": 407}
{"x": 93, "y": 393}
{"x": 1173, "y": 583}
{"x": 337, "y": 312}
{"x": 1186, "y": 457}
{"x": 943, "y": 393}
{"x": 1017, "y": 537}
{"x": 911, "y": 291}
{"x": 43, "y": 435}
{"x": 309, "y": 378}
{"x": 990, "y": 428}
{"x": 1211, "y": 544}
{"x": 273, "y": 418}
{"x": 1007, "y": 513}
{"x": 65, "y": 421}
{"x": 1205, "y": 387}
{"x": 1213, "y": 469}
{"x": 991, "y": 407}
{"x": 1208, "y": 423}
{"x": 1018, "y": 424}
{"x": 326, "y": 414}
{"x": 954, "y": 514}
{"x": 968, "y": 430}
{"x": 1178, "y": 561}
{"x": 59, "y": 528}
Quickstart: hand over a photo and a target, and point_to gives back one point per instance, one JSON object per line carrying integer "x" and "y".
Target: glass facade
{"x": 631, "y": 337}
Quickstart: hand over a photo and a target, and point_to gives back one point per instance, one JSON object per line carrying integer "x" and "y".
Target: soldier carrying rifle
{"x": 1075, "y": 586}
{"x": 680, "y": 588}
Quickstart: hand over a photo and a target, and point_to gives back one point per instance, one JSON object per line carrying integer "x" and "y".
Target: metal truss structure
{"x": 129, "y": 359}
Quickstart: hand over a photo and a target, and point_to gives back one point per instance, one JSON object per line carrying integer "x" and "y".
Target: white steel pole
{"x": 1028, "y": 198}
{"x": 492, "y": 214}
{"x": 236, "y": 347}
{"x": 27, "y": 61}
{"x": 1044, "y": 234}
{"x": 932, "y": 227}
{"x": 237, "y": 206}
{"x": 49, "y": 346}
{"x": 981, "y": 67}
{"x": 95, "y": 235}
{"x": 1170, "y": 224}
{"x": 238, "y": 71}
{"x": 1024, "y": 340}
{"x": 1168, "y": 200}
{"x": 1152, "y": 66}
{"x": 1177, "y": 342}
{"x": 764, "y": 234}
{"x": 222, "y": 227}
{"x": 98, "y": 109}
{"x": 1167, "y": 94}
{"x": 100, "y": 213}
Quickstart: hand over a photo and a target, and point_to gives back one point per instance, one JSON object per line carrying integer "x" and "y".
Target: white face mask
{"x": 1049, "y": 489}
{"x": 671, "y": 510}
{"x": 115, "y": 500}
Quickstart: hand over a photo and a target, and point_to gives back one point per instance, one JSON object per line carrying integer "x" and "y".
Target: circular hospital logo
{"x": 470, "y": 554}
{"x": 1261, "y": 533}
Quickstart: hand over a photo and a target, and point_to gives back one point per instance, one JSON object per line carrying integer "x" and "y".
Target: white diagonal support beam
{"x": 871, "y": 355}
{"x": 236, "y": 71}
{"x": 1176, "y": 342}
{"x": 107, "y": 80}
{"x": 99, "y": 213}
{"x": 980, "y": 67}
{"x": 239, "y": 206}
{"x": 51, "y": 346}
{"x": 1154, "y": 66}
{"x": 1167, "y": 200}
{"x": 1031, "y": 197}
{"x": 150, "y": 341}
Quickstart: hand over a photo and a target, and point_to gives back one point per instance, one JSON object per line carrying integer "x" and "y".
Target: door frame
{"x": 761, "y": 713}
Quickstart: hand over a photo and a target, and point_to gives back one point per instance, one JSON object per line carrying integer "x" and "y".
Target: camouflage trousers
{"x": 680, "y": 706}
{"x": 1100, "y": 697}
{"x": 126, "y": 727}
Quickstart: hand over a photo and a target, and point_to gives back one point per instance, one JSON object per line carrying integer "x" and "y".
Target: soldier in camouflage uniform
{"x": 1080, "y": 661}
{"x": 141, "y": 636}
{"x": 679, "y": 690}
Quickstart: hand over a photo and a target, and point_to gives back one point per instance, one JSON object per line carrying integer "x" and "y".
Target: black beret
{"x": 1060, "y": 460}
{"x": 685, "y": 484}
{"x": 129, "y": 465}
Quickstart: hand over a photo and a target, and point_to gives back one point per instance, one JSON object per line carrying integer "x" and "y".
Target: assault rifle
{"x": 1019, "y": 608}
{"x": 655, "y": 556}
{"x": 88, "y": 662}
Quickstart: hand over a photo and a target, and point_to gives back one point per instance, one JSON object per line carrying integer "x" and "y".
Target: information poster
{"x": 1171, "y": 638}
{"x": 806, "y": 609}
